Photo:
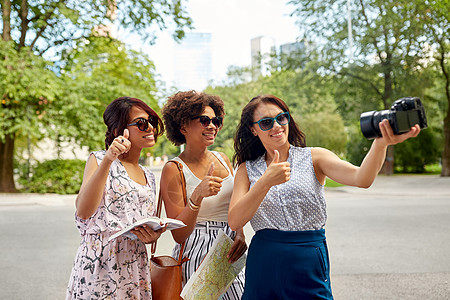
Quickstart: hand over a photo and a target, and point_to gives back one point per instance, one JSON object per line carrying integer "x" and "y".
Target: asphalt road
{"x": 390, "y": 241}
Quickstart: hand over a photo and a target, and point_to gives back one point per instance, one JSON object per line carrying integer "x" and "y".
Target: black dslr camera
{"x": 404, "y": 114}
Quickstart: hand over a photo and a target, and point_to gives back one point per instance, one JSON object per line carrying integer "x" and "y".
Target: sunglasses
{"x": 142, "y": 124}
{"x": 205, "y": 121}
{"x": 267, "y": 123}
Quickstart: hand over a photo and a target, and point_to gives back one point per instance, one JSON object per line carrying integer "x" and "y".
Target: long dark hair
{"x": 249, "y": 147}
{"x": 117, "y": 113}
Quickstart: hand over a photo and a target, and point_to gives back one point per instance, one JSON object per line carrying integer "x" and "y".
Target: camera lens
{"x": 404, "y": 114}
{"x": 369, "y": 123}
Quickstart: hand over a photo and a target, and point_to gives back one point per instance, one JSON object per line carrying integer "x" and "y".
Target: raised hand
{"x": 120, "y": 145}
{"x": 278, "y": 172}
{"x": 388, "y": 136}
{"x": 210, "y": 185}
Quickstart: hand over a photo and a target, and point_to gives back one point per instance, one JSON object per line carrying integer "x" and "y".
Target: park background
{"x": 61, "y": 66}
{"x": 63, "y": 62}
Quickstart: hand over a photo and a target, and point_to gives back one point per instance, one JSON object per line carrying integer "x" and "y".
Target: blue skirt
{"x": 287, "y": 265}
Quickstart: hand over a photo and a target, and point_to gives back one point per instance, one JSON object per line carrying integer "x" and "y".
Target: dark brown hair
{"x": 117, "y": 114}
{"x": 182, "y": 107}
{"x": 249, "y": 147}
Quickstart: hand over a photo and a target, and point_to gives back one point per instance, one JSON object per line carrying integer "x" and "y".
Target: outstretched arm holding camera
{"x": 279, "y": 188}
{"x": 328, "y": 164}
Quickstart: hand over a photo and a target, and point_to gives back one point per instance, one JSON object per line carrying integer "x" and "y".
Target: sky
{"x": 233, "y": 23}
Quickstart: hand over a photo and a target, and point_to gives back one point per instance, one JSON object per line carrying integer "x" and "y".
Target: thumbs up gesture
{"x": 277, "y": 172}
{"x": 120, "y": 145}
{"x": 209, "y": 186}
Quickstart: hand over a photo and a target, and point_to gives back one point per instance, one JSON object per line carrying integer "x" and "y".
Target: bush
{"x": 414, "y": 154}
{"x": 357, "y": 146}
{"x": 324, "y": 129}
{"x": 61, "y": 176}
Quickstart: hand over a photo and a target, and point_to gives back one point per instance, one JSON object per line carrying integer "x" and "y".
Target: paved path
{"x": 390, "y": 241}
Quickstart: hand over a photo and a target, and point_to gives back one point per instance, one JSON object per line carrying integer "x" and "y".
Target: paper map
{"x": 215, "y": 274}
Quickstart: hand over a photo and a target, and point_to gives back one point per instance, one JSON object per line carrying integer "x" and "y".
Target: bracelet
{"x": 193, "y": 206}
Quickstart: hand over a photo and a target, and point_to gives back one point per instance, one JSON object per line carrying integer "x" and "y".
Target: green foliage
{"x": 55, "y": 23}
{"x": 164, "y": 147}
{"x": 325, "y": 129}
{"x": 412, "y": 155}
{"x": 44, "y": 99}
{"x": 331, "y": 183}
{"x": 433, "y": 169}
{"x": 97, "y": 71}
{"x": 61, "y": 176}
{"x": 29, "y": 92}
{"x": 400, "y": 48}
{"x": 306, "y": 94}
{"x": 357, "y": 146}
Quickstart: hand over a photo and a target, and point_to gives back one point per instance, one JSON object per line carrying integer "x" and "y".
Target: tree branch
{"x": 23, "y": 13}
{"x": 41, "y": 30}
{"x": 363, "y": 80}
{"x": 363, "y": 11}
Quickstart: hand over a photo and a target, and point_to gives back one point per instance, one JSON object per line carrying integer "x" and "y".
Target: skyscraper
{"x": 193, "y": 61}
{"x": 261, "y": 49}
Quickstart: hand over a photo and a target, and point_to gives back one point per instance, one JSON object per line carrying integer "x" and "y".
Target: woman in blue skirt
{"x": 279, "y": 188}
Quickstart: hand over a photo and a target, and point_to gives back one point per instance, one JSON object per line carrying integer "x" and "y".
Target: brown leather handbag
{"x": 165, "y": 271}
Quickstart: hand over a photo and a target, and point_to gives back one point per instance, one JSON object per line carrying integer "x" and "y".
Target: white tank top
{"x": 213, "y": 208}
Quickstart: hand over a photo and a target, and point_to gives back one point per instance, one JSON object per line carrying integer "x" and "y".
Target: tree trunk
{"x": 6, "y": 17}
{"x": 388, "y": 166}
{"x": 6, "y": 165}
{"x": 446, "y": 154}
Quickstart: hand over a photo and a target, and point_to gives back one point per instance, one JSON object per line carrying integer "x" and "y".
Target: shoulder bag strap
{"x": 159, "y": 207}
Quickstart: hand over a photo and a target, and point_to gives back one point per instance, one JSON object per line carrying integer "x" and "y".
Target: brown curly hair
{"x": 182, "y": 107}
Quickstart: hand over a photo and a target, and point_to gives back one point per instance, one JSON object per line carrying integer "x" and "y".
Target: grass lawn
{"x": 332, "y": 183}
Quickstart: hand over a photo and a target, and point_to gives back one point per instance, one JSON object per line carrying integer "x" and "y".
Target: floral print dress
{"x": 118, "y": 269}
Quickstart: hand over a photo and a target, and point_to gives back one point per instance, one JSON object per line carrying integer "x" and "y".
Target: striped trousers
{"x": 198, "y": 245}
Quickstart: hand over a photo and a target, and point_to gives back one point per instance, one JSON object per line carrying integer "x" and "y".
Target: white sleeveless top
{"x": 213, "y": 208}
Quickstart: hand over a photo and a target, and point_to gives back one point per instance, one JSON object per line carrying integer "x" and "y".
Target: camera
{"x": 404, "y": 114}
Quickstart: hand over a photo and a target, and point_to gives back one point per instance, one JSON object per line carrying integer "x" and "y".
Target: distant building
{"x": 193, "y": 61}
{"x": 291, "y": 53}
{"x": 261, "y": 50}
{"x": 290, "y": 48}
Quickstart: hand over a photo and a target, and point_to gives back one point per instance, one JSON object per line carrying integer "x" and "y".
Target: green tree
{"x": 99, "y": 69}
{"x": 389, "y": 46}
{"x": 29, "y": 90}
{"x": 31, "y": 29}
{"x": 435, "y": 18}
{"x": 306, "y": 93}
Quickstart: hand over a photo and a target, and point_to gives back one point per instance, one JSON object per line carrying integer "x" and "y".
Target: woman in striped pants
{"x": 194, "y": 119}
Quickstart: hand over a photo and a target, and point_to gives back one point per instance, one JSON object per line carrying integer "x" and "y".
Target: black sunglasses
{"x": 267, "y": 123}
{"x": 205, "y": 121}
{"x": 142, "y": 124}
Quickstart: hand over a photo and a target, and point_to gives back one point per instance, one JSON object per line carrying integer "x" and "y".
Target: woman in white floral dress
{"x": 116, "y": 192}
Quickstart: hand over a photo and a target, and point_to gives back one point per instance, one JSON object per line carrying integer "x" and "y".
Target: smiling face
{"x": 275, "y": 137}
{"x": 138, "y": 138}
{"x": 195, "y": 132}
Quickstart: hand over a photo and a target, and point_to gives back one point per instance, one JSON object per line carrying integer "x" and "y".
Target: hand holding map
{"x": 215, "y": 274}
